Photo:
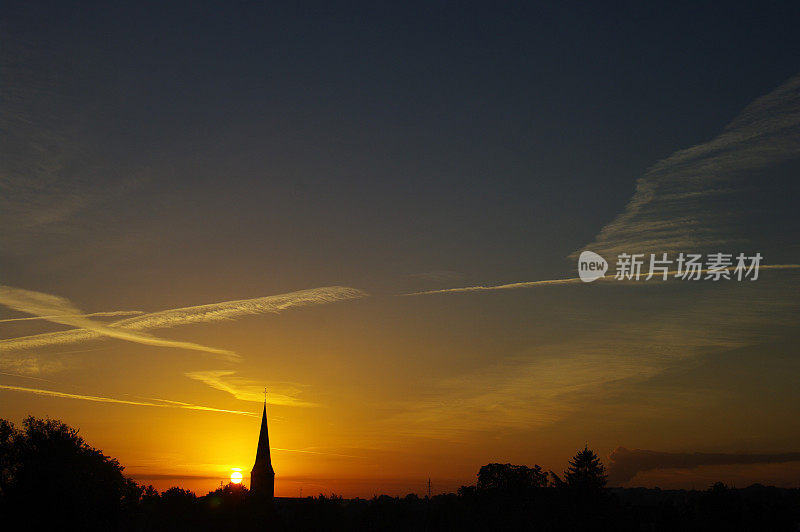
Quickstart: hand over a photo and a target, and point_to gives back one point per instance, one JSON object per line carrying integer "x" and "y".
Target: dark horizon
{"x": 46, "y": 465}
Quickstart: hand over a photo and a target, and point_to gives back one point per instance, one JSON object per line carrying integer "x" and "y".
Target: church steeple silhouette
{"x": 262, "y": 477}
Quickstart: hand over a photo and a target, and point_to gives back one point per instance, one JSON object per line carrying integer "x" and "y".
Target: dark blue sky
{"x": 462, "y": 134}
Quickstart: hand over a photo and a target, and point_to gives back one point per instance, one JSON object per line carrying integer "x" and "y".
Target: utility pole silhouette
{"x": 429, "y": 487}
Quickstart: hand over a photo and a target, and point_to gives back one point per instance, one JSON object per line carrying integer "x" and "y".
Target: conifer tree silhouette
{"x": 585, "y": 472}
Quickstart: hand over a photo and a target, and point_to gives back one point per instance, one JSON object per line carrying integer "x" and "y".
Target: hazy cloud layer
{"x": 548, "y": 382}
{"x": 675, "y": 209}
{"x": 50, "y": 167}
{"x": 97, "y": 399}
{"x": 249, "y": 390}
{"x": 48, "y": 305}
{"x": 626, "y": 463}
{"x": 514, "y": 395}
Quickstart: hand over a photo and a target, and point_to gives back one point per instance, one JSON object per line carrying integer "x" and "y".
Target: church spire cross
{"x": 262, "y": 477}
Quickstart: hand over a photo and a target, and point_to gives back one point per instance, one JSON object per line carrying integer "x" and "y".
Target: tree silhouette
{"x": 585, "y": 472}
{"x": 47, "y": 465}
{"x": 510, "y": 478}
{"x": 9, "y": 455}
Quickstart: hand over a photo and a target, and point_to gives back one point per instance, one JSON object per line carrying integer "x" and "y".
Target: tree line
{"x": 51, "y": 479}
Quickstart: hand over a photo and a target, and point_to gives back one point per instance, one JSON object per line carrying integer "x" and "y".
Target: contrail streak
{"x": 315, "y": 452}
{"x": 125, "y": 329}
{"x": 510, "y": 286}
{"x": 47, "y": 305}
{"x": 90, "y": 315}
{"x": 97, "y": 399}
{"x": 570, "y": 280}
{"x": 17, "y": 375}
{"x": 228, "y": 310}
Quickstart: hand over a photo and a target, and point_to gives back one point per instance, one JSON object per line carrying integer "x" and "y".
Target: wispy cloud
{"x": 30, "y": 364}
{"x": 59, "y": 310}
{"x": 46, "y": 305}
{"x": 671, "y": 209}
{"x": 518, "y": 394}
{"x": 675, "y": 205}
{"x": 627, "y": 463}
{"x": 50, "y": 168}
{"x": 98, "y": 399}
{"x": 250, "y": 390}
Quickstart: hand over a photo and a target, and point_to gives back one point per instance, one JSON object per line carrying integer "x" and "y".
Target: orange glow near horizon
{"x": 441, "y": 400}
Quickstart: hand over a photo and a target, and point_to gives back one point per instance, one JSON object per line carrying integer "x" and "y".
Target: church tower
{"x": 262, "y": 477}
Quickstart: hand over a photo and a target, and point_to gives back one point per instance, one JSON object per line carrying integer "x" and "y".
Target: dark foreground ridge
{"x": 51, "y": 479}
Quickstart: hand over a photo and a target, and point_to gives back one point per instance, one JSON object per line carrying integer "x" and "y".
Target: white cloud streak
{"x": 229, "y": 310}
{"x": 126, "y": 329}
{"x": 98, "y": 399}
{"x": 509, "y": 286}
{"x": 576, "y": 280}
{"x": 59, "y": 310}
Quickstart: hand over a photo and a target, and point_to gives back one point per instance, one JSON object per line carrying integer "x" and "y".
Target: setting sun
{"x": 236, "y": 476}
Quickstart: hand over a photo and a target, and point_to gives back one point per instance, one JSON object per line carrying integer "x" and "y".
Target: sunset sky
{"x": 203, "y": 200}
